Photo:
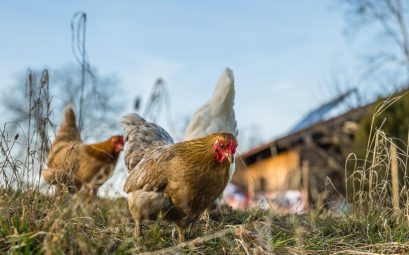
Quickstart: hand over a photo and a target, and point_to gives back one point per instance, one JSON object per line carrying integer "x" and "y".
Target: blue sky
{"x": 282, "y": 52}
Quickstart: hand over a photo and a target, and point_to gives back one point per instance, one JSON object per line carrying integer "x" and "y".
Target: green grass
{"x": 33, "y": 223}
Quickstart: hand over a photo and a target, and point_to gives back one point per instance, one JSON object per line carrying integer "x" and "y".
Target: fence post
{"x": 305, "y": 181}
{"x": 395, "y": 177}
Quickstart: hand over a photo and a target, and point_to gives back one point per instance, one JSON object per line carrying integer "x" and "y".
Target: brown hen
{"x": 174, "y": 181}
{"x": 75, "y": 165}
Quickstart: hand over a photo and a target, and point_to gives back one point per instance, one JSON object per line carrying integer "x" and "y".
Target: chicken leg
{"x": 181, "y": 233}
{"x": 138, "y": 224}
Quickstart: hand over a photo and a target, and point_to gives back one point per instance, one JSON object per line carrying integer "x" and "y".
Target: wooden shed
{"x": 310, "y": 160}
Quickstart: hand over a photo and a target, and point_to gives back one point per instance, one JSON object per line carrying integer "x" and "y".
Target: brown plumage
{"x": 178, "y": 181}
{"x": 74, "y": 164}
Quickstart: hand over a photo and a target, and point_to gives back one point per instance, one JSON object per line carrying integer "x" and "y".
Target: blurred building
{"x": 304, "y": 167}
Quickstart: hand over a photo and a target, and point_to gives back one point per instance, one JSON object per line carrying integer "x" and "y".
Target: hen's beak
{"x": 119, "y": 148}
{"x": 229, "y": 157}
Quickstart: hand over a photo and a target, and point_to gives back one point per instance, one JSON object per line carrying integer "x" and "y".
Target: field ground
{"x": 33, "y": 223}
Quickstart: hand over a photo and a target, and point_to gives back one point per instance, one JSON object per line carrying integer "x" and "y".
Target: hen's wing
{"x": 68, "y": 129}
{"x": 151, "y": 173}
{"x": 217, "y": 115}
{"x": 141, "y": 136}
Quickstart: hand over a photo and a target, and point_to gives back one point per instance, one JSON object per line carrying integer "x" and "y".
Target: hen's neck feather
{"x": 102, "y": 150}
{"x": 199, "y": 151}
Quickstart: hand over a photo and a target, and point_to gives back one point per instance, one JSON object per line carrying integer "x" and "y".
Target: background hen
{"x": 217, "y": 115}
{"x": 74, "y": 164}
{"x": 177, "y": 180}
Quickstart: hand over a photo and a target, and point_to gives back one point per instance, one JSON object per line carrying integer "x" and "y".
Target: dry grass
{"x": 35, "y": 222}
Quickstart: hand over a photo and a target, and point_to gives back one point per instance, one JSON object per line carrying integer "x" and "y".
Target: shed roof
{"x": 291, "y": 140}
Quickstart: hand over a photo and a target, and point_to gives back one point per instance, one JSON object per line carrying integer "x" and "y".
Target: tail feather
{"x": 69, "y": 117}
{"x": 141, "y": 136}
{"x": 218, "y": 114}
{"x": 224, "y": 90}
{"x": 223, "y": 101}
{"x": 68, "y": 129}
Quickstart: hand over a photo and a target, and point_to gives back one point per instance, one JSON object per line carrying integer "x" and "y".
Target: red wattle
{"x": 220, "y": 157}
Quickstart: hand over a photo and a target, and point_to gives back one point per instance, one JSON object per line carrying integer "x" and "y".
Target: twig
{"x": 195, "y": 242}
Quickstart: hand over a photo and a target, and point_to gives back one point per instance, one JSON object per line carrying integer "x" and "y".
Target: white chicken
{"x": 217, "y": 115}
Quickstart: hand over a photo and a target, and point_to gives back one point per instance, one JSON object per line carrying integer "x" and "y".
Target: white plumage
{"x": 217, "y": 115}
